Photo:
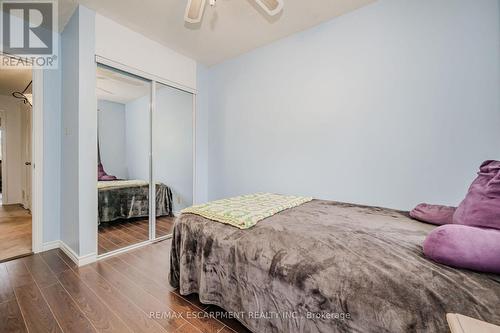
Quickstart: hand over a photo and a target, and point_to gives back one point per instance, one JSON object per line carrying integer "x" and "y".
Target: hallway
{"x": 15, "y": 231}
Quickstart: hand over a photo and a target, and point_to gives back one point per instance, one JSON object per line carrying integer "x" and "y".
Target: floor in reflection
{"x": 122, "y": 233}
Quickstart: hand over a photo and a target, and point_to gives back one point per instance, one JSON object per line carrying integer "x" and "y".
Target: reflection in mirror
{"x": 123, "y": 159}
{"x": 173, "y": 152}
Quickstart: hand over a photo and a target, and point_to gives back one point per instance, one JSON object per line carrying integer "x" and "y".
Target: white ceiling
{"x": 13, "y": 80}
{"x": 232, "y": 28}
{"x": 119, "y": 88}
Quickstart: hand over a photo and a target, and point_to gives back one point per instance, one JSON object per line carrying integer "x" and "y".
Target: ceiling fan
{"x": 194, "y": 9}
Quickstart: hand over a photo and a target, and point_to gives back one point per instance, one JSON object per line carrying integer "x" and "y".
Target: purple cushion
{"x": 102, "y": 175}
{"x": 465, "y": 247}
{"x": 481, "y": 206}
{"x": 107, "y": 178}
{"x": 100, "y": 170}
{"x": 434, "y": 214}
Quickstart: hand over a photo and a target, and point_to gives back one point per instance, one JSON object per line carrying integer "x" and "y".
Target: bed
{"x": 129, "y": 199}
{"x": 327, "y": 267}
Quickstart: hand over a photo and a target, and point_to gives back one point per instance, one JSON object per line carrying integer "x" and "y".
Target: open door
{"x": 26, "y": 139}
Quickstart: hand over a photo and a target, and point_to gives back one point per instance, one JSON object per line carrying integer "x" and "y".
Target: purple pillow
{"x": 481, "y": 206}
{"x": 465, "y": 247}
{"x": 102, "y": 175}
{"x": 107, "y": 178}
{"x": 100, "y": 170}
{"x": 434, "y": 214}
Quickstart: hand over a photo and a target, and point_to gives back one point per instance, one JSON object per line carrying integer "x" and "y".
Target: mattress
{"x": 327, "y": 267}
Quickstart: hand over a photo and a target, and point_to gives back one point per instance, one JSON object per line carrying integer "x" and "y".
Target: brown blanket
{"x": 327, "y": 267}
{"x": 129, "y": 202}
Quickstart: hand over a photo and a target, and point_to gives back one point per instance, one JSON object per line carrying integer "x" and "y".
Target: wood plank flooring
{"x": 125, "y": 293}
{"x": 15, "y": 231}
{"x": 122, "y": 233}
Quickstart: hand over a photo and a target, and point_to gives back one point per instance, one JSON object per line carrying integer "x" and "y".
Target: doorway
{"x": 16, "y": 91}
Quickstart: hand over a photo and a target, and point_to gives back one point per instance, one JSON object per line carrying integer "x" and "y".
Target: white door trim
{"x": 37, "y": 162}
{"x": 4, "y": 161}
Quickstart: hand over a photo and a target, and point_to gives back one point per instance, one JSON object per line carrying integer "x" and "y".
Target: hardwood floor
{"x": 125, "y": 293}
{"x": 118, "y": 234}
{"x": 15, "y": 232}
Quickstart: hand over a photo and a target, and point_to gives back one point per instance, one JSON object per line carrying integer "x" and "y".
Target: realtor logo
{"x": 29, "y": 31}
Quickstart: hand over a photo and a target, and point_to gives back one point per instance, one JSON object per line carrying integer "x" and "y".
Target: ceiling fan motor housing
{"x": 194, "y": 8}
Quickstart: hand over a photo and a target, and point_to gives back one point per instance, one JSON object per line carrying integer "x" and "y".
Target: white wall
{"x": 111, "y": 119}
{"x": 393, "y": 104}
{"x": 12, "y": 189}
{"x": 127, "y": 47}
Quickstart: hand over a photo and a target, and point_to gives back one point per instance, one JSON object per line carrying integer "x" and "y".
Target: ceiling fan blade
{"x": 272, "y": 7}
{"x": 194, "y": 11}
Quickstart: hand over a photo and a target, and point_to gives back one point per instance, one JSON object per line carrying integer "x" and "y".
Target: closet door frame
{"x": 152, "y": 186}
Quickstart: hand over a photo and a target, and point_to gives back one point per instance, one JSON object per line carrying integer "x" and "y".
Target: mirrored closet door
{"x": 145, "y": 137}
{"x": 172, "y": 154}
{"x": 124, "y": 149}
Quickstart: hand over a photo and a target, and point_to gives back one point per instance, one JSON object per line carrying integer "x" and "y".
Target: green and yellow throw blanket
{"x": 245, "y": 211}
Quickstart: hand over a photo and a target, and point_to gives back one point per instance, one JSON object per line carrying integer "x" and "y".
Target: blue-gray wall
{"x": 79, "y": 134}
{"x": 51, "y": 155}
{"x": 87, "y": 133}
{"x": 392, "y": 104}
{"x": 202, "y": 115}
{"x": 172, "y": 132}
{"x": 112, "y": 146}
{"x": 69, "y": 139}
{"x": 173, "y": 144}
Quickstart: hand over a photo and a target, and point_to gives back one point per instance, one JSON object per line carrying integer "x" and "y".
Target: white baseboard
{"x": 80, "y": 261}
{"x": 50, "y": 245}
{"x": 69, "y": 252}
{"x": 176, "y": 214}
{"x": 88, "y": 259}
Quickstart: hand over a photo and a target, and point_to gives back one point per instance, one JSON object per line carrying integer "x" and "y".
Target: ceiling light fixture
{"x": 194, "y": 8}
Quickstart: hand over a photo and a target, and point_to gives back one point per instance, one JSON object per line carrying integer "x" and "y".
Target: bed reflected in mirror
{"x": 123, "y": 103}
